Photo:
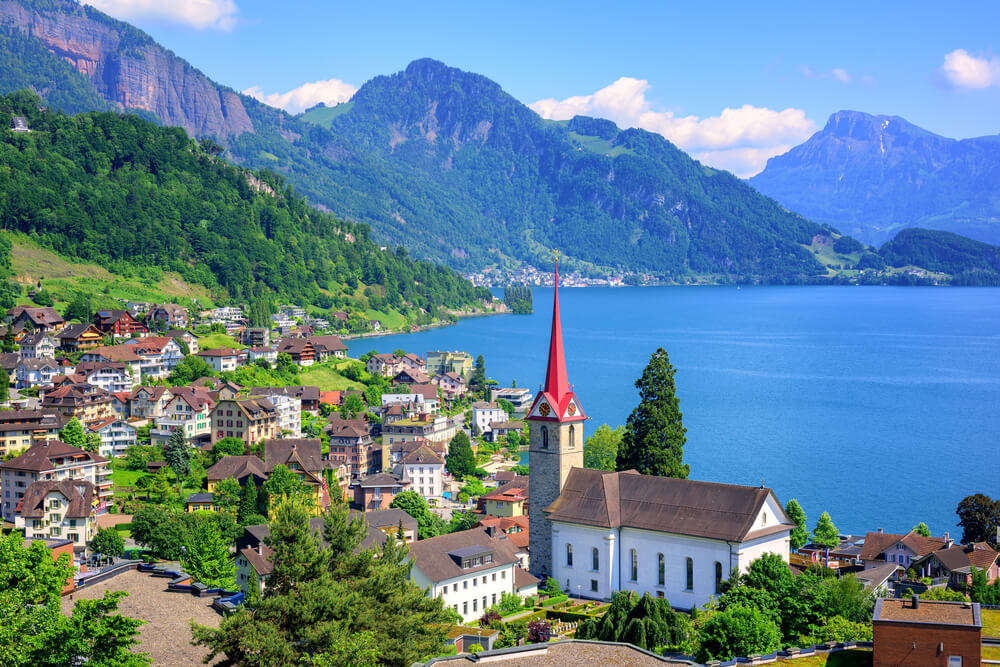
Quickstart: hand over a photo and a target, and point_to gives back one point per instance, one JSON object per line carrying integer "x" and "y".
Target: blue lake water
{"x": 878, "y": 404}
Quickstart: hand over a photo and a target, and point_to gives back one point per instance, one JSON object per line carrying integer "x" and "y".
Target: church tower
{"x": 555, "y": 423}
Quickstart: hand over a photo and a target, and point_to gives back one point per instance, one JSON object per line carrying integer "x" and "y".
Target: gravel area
{"x": 166, "y": 636}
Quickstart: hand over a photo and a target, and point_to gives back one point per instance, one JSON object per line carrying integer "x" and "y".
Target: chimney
{"x": 879, "y": 530}
{"x": 916, "y": 601}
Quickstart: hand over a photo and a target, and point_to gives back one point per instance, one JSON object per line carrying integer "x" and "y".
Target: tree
{"x": 178, "y": 455}
{"x": 506, "y": 406}
{"x": 189, "y": 369}
{"x": 108, "y": 541}
{"x": 539, "y": 631}
{"x": 462, "y": 520}
{"x": 978, "y": 515}
{"x": 800, "y": 534}
{"x": 411, "y": 502}
{"x": 737, "y": 631}
{"x": 478, "y": 381}
{"x": 4, "y": 386}
{"x": 80, "y": 308}
{"x": 228, "y": 494}
{"x": 33, "y": 629}
{"x": 922, "y": 529}
{"x": 137, "y": 457}
{"x": 600, "y": 450}
{"x": 92, "y": 442}
{"x": 73, "y": 434}
{"x": 206, "y": 557}
{"x": 351, "y": 406}
{"x": 653, "y": 442}
{"x": 552, "y": 587}
{"x": 283, "y": 483}
{"x": 248, "y": 513}
{"x": 645, "y": 621}
{"x": 460, "y": 460}
{"x": 9, "y": 340}
{"x": 825, "y": 533}
{"x": 226, "y": 447}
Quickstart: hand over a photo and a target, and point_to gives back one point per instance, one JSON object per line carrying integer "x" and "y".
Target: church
{"x": 598, "y": 532}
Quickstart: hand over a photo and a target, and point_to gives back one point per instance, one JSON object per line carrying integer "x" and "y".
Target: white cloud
{"x": 838, "y": 73}
{"x": 738, "y": 139}
{"x": 965, "y": 71}
{"x": 200, "y": 14}
{"x": 329, "y": 92}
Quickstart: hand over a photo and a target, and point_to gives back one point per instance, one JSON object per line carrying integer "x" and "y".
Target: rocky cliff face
{"x": 131, "y": 70}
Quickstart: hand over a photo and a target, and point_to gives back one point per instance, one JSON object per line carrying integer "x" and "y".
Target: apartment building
{"x": 251, "y": 420}
{"x": 53, "y": 460}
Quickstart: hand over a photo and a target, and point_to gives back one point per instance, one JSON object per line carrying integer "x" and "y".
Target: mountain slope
{"x": 872, "y": 175}
{"x": 940, "y": 251}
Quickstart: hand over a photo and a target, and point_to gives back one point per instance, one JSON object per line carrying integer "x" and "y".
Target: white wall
{"x": 465, "y": 594}
{"x": 427, "y": 479}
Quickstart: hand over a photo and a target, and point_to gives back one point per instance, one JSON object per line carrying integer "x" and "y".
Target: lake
{"x": 878, "y": 404}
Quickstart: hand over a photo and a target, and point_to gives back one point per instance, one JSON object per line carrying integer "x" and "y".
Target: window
{"x": 465, "y": 584}
{"x": 569, "y": 555}
{"x": 572, "y": 436}
{"x": 595, "y": 559}
{"x": 634, "y": 555}
{"x": 493, "y": 599}
{"x": 690, "y": 574}
{"x": 545, "y": 437}
{"x": 954, "y": 661}
{"x": 718, "y": 577}
{"x": 494, "y": 576}
{"x": 593, "y": 585}
{"x": 661, "y": 570}
{"x": 503, "y": 575}
{"x": 475, "y": 605}
{"x": 465, "y": 607}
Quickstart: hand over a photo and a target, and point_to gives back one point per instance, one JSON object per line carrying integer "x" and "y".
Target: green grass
{"x": 598, "y": 145}
{"x": 390, "y": 319}
{"x": 218, "y": 340}
{"x": 125, "y": 529}
{"x": 991, "y": 622}
{"x": 323, "y": 116}
{"x": 326, "y": 377}
{"x": 850, "y": 658}
{"x": 120, "y": 476}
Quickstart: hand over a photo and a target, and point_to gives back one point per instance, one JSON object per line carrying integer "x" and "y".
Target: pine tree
{"x": 247, "y": 510}
{"x": 177, "y": 454}
{"x": 478, "y": 381}
{"x": 922, "y": 529}
{"x": 800, "y": 534}
{"x": 206, "y": 557}
{"x": 4, "y": 385}
{"x": 654, "y": 438}
{"x": 460, "y": 460}
{"x": 825, "y": 533}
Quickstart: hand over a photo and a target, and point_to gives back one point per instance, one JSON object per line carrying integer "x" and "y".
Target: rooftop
{"x": 928, "y": 611}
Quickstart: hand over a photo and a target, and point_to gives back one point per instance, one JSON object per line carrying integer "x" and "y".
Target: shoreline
{"x": 424, "y": 327}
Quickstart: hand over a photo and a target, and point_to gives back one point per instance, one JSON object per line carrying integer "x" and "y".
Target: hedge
{"x": 548, "y": 602}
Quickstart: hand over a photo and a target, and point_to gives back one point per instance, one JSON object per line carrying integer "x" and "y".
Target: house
{"x": 189, "y": 409}
{"x": 77, "y": 336}
{"x": 56, "y": 509}
{"x": 116, "y": 435}
{"x": 157, "y": 355}
{"x": 53, "y": 460}
{"x": 516, "y": 530}
{"x": 31, "y": 372}
{"x": 393, "y": 455}
{"x": 376, "y": 492}
{"x": 452, "y": 385}
{"x": 221, "y": 359}
{"x": 253, "y": 556}
{"x": 149, "y": 402}
{"x": 183, "y": 336}
{"x": 519, "y": 397}
{"x": 484, "y": 414}
{"x": 327, "y": 347}
{"x": 469, "y": 570}
{"x": 847, "y": 553}
{"x": 35, "y": 319}
{"x": 255, "y": 336}
{"x": 352, "y": 444}
{"x": 880, "y": 579}
{"x": 385, "y": 365}
{"x": 201, "y": 502}
{"x": 268, "y": 354}
{"x": 118, "y": 323}
{"x": 424, "y": 470}
{"x": 413, "y": 362}
{"x": 510, "y": 499}
{"x": 880, "y": 548}
{"x": 410, "y": 376}
{"x": 957, "y": 562}
{"x": 391, "y": 522}
{"x": 288, "y": 407}
{"x": 300, "y": 350}
{"x": 924, "y": 632}
{"x": 166, "y": 316}
{"x": 111, "y": 376}
{"x": 436, "y": 428}
{"x": 441, "y": 362}
{"x": 113, "y": 353}
{"x": 500, "y": 429}
{"x": 37, "y": 345}
{"x": 303, "y": 456}
{"x": 423, "y": 397}
{"x": 250, "y": 419}
{"x": 86, "y": 402}
{"x": 308, "y": 396}
{"x": 20, "y": 429}
{"x": 241, "y": 468}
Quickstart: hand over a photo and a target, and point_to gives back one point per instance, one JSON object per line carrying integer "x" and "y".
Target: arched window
{"x": 690, "y": 574}
{"x": 718, "y": 577}
{"x": 595, "y": 559}
{"x": 572, "y": 436}
{"x": 661, "y": 570}
{"x": 635, "y": 564}
{"x": 569, "y": 555}
{"x": 545, "y": 437}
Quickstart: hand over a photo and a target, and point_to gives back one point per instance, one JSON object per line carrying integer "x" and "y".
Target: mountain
{"x": 870, "y": 176}
{"x": 944, "y": 252}
{"x": 130, "y": 195}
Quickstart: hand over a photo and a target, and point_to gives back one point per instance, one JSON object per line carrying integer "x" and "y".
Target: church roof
{"x": 663, "y": 504}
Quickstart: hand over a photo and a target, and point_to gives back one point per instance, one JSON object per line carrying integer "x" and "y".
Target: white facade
{"x": 630, "y": 559}
{"x": 14, "y": 482}
{"x": 472, "y": 594}
{"x": 289, "y": 411}
{"x": 43, "y": 348}
{"x": 427, "y": 479}
{"x": 220, "y": 363}
{"x": 482, "y": 417}
{"x": 114, "y": 381}
{"x": 116, "y": 437}
{"x": 56, "y": 525}
{"x": 430, "y": 406}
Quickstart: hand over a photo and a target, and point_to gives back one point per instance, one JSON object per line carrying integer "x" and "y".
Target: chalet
{"x": 189, "y": 409}
{"x": 111, "y": 376}
{"x": 118, "y": 353}
{"x": 241, "y": 468}
{"x": 157, "y": 355}
{"x": 35, "y": 319}
{"x": 56, "y": 509}
{"x": 116, "y": 435}
{"x": 376, "y": 492}
{"x": 413, "y": 362}
{"x": 183, "y": 336}
{"x": 87, "y": 403}
{"x": 31, "y": 372}
{"x": 410, "y": 376}
{"x": 328, "y": 346}
{"x": 53, "y": 460}
{"x": 385, "y": 365}
{"x": 37, "y": 345}
{"x": 452, "y": 385}
{"x": 251, "y": 420}
{"x": 166, "y": 316}
{"x": 77, "y": 336}
{"x": 118, "y": 323}
{"x": 149, "y": 402}
{"x": 21, "y": 429}
{"x": 222, "y": 359}
{"x": 301, "y": 350}
{"x": 880, "y": 548}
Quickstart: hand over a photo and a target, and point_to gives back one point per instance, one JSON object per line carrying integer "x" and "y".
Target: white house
{"x": 117, "y": 435}
{"x": 423, "y": 396}
{"x": 189, "y": 408}
{"x": 221, "y": 359}
{"x": 484, "y": 414}
{"x": 38, "y": 345}
{"x": 111, "y": 376}
{"x": 424, "y": 470}
{"x": 288, "y": 407}
{"x": 469, "y": 569}
{"x": 519, "y": 397}
{"x": 32, "y": 372}
{"x": 672, "y": 538}
{"x": 60, "y": 510}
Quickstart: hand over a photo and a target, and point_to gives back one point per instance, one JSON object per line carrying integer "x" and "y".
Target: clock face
{"x": 544, "y": 410}
{"x": 572, "y": 409}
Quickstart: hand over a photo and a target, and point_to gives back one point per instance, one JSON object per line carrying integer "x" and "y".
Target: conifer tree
{"x": 825, "y": 533}
{"x": 206, "y": 557}
{"x": 800, "y": 534}
{"x": 177, "y": 454}
{"x": 460, "y": 461}
{"x": 4, "y": 385}
{"x": 247, "y": 511}
{"x": 654, "y": 438}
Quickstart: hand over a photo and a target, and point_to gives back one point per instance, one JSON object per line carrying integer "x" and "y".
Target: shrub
{"x": 509, "y": 603}
{"x": 553, "y": 601}
{"x": 539, "y": 631}
{"x": 552, "y": 587}
{"x": 475, "y": 648}
{"x": 490, "y": 619}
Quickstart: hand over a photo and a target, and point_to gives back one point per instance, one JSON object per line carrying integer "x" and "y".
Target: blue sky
{"x": 731, "y": 83}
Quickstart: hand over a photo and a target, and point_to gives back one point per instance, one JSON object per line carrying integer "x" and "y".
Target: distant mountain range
{"x": 870, "y": 176}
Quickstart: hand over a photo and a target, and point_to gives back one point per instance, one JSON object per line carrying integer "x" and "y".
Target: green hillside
{"x": 970, "y": 262}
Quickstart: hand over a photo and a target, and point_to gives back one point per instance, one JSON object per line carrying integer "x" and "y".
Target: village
{"x": 125, "y": 429}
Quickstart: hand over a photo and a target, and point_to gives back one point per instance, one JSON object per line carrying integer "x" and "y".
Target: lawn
{"x": 216, "y": 341}
{"x": 991, "y": 622}
{"x": 991, "y": 653}
{"x": 120, "y": 475}
{"x": 326, "y": 378}
{"x": 851, "y": 658}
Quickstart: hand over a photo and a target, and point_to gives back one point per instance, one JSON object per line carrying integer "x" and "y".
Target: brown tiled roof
{"x": 8, "y": 360}
{"x": 964, "y": 557}
{"x": 75, "y": 394}
{"x": 33, "y": 339}
{"x": 196, "y": 397}
{"x": 504, "y": 475}
{"x": 301, "y": 392}
{"x": 927, "y": 611}
{"x": 411, "y": 376}
{"x": 41, "y": 316}
{"x": 348, "y": 428}
{"x": 381, "y": 479}
{"x": 485, "y": 405}
{"x": 876, "y": 543}
{"x": 681, "y": 506}
{"x": 39, "y": 457}
{"x": 304, "y": 451}
{"x": 236, "y": 467}
{"x": 327, "y": 343}
{"x": 390, "y": 518}
{"x": 428, "y": 391}
{"x": 79, "y": 493}
{"x": 514, "y": 490}
{"x": 122, "y": 353}
{"x": 432, "y": 557}
{"x": 523, "y": 578}
{"x": 513, "y": 424}
{"x": 261, "y": 564}
{"x": 149, "y": 344}
{"x": 88, "y": 368}
{"x": 874, "y": 577}
{"x": 154, "y": 392}
{"x": 422, "y": 455}
{"x": 294, "y": 345}
{"x": 74, "y": 330}
{"x": 38, "y": 364}
{"x": 218, "y": 352}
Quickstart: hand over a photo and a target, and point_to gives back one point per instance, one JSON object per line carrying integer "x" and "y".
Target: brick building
{"x": 925, "y": 633}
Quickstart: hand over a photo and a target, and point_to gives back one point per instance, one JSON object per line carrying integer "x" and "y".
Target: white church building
{"x": 598, "y": 532}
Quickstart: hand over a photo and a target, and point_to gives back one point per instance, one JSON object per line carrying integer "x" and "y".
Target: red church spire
{"x": 556, "y": 384}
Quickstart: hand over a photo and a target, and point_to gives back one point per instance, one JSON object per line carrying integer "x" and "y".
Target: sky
{"x": 730, "y": 83}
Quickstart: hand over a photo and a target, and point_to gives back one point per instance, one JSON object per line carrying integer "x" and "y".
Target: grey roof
{"x": 877, "y": 576}
{"x": 201, "y": 498}
{"x": 432, "y": 556}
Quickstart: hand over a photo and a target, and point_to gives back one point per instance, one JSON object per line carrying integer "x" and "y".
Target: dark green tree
{"x": 653, "y": 442}
{"x": 227, "y": 494}
{"x": 411, "y": 502}
{"x": 226, "y": 447}
{"x": 178, "y": 455}
{"x": 478, "y": 381}
{"x": 800, "y": 534}
{"x": 248, "y": 512}
{"x": 4, "y": 386}
{"x": 206, "y": 557}
{"x": 825, "y": 533}
{"x": 189, "y": 369}
{"x": 108, "y": 541}
{"x": 80, "y": 308}
{"x": 978, "y": 515}
{"x": 737, "y": 631}
{"x": 460, "y": 461}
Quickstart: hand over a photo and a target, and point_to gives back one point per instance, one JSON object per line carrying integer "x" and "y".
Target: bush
{"x": 490, "y": 619}
{"x": 553, "y": 600}
{"x": 539, "y": 631}
{"x": 509, "y": 603}
{"x": 737, "y": 631}
{"x": 552, "y": 587}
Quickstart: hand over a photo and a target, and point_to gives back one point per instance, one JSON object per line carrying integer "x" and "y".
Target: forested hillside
{"x": 116, "y": 189}
{"x": 969, "y": 261}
